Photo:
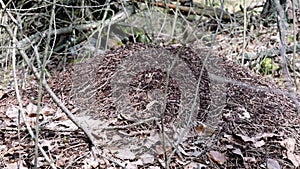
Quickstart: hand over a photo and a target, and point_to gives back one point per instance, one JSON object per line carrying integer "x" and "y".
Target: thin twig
{"x": 21, "y": 110}
{"x": 47, "y": 87}
{"x": 131, "y": 125}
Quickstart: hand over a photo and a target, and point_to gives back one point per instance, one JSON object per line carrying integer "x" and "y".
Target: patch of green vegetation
{"x": 75, "y": 60}
{"x": 119, "y": 43}
{"x": 143, "y": 38}
{"x": 267, "y": 66}
{"x": 125, "y": 32}
{"x": 5, "y": 77}
{"x": 174, "y": 41}
{"x": 291, "y": 38}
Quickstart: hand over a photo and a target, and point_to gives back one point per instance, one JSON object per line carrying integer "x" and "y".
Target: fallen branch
{"x": 271, "y": 53}
{"x": 27, "y": 42}
{"x": 196, "y": 9}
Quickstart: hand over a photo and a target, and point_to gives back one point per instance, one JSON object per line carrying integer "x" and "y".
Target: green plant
{"x": 267, "y": 66}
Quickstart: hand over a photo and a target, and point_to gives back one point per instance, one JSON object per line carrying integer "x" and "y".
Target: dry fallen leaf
{"x": 31, "y": 110}
{"x": 125, "y": 154}
{"x": 152, "y": 140}
{"x": 217, "y": 157}
{"x": 295, "y": 159}
{"x": 47, "y": 111}
{"x": 2, "y": 94}
{"x": 250, "y": 159}
{"x": 246, "y": 138}
{"x": 90, "y": 163}
{"x": 61, "y": 161}
{"x": 48, "y": 144}
{"x": 40, "y": 161}
{"x": 147, "y": 158}
{"x": 133, "y": 164}
{"x": 194, "y": 165}
{"x": 62, "y": 125}
{"x": 204, "y": 130}
{"x": 267, "y": 135}
{"x": 14, "y": 166}
{"x": 238, "y": 152}
{"x": 272, "y": 164}
{"x": 13, "y": 113}
{"x": 260, "y": 143}
{"x": 289, "y": 144}
{"x": 245, "y": 114}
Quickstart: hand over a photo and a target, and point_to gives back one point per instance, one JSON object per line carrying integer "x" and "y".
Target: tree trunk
{"x": 269, "y": 9}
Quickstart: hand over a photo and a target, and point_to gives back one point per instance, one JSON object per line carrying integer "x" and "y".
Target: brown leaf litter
{"x": 255, "y": 117}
